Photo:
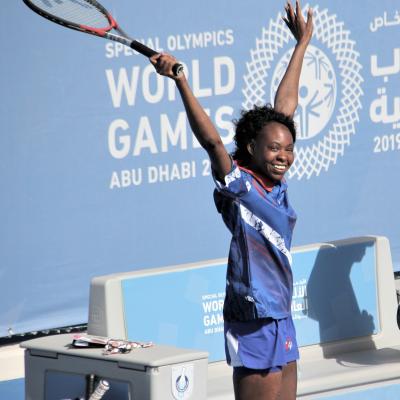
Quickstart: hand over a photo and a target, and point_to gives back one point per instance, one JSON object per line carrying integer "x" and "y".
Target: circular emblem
{"x": 329, "y": 91}
{"x": 182, "y": 383}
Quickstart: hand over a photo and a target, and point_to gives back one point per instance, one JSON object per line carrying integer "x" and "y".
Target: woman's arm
{"x": 199, "y": 121}
{"x": 286, "y": 98}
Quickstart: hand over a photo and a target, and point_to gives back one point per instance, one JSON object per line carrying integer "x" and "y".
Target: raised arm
{"x": 199, "y": 121}
{"x": 286, "y": 98}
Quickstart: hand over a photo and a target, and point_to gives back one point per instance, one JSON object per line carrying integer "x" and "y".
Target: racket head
{"x": 91, "y": 17}
{"x": 82, "y": 15}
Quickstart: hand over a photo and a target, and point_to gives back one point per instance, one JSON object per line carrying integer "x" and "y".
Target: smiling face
{"x": 272, "y": 151}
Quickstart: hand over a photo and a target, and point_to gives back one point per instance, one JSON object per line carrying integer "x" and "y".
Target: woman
{"x": 251, "y": 195}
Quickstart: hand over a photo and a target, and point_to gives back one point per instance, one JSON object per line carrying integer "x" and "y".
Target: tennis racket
{"x": 89, "y": 16}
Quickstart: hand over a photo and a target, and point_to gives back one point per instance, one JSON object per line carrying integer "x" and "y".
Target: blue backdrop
{"x": 98, "y": 166}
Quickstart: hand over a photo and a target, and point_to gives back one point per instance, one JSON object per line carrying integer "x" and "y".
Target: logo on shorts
{"x": 288, "y": 344}
{"x": 329, "y": 91}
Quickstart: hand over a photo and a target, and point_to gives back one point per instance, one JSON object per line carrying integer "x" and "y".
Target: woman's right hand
{"x": 164, "y": 63}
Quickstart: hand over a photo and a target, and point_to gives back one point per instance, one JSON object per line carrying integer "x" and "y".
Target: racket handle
{"x": 148, "y": 52}
{"x": 142, "y": 49}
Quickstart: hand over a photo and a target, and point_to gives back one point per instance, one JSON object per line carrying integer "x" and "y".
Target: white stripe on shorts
{"x": 233, "y": 348}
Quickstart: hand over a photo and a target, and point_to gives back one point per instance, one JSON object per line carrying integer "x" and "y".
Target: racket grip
{"x": 142, "y": 49}
{"x": 148, "y": 52}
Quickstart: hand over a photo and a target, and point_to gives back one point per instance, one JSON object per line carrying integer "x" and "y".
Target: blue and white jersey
{"x": 261, "y": 220}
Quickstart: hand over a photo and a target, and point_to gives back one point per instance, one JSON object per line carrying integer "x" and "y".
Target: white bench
{"x": 344, "y": 307}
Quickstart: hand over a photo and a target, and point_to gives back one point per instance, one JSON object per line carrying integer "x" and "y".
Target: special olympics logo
{"x": 329, "y": 100}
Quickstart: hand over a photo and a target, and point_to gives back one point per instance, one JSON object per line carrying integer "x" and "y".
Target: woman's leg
{"x": 289, "y": 382}
{"x": 250, "y": 384}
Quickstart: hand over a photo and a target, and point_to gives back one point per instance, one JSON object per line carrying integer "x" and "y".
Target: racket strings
{"x": 81, "y": 12}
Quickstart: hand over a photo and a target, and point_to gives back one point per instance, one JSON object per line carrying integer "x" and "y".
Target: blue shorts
{"x": 261, "y": 344}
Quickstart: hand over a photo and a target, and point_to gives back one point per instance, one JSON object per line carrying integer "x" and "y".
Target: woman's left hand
{"x": 301, "y": 30}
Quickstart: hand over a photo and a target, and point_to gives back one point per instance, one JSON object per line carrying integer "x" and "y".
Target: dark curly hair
{"x": 250, "y": 124}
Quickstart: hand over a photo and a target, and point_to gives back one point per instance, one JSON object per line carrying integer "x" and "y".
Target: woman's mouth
{"x": 279, "y": 167}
